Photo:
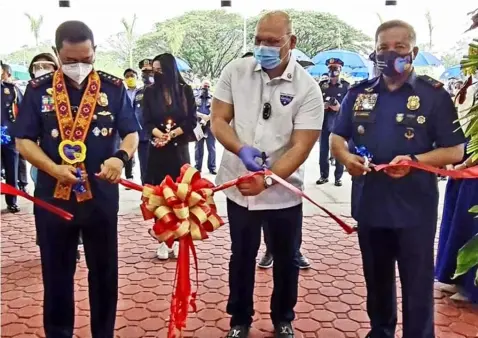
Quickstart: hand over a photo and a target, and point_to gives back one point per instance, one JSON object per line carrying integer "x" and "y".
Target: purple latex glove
{"x": 248, "y": 156}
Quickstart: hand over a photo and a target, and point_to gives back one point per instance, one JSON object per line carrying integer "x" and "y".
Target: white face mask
{"x": 77, "y": 71}
{"x": 41, "y": 72}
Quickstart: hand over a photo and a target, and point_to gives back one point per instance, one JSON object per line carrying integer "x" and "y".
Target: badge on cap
{"x": 409, "y": 134}
{"x": 421, "y": 119}
{"x": 361, "y": 130}
{"x": 413, "y": 102}
{"x": 399, "y": 117}
{"x": 104, "y": 132}
{"x": 96, "y": 131}
{"x": 102, "y": 99}
{"x": 6, "y": 91}
{"x": 54, "y": 133}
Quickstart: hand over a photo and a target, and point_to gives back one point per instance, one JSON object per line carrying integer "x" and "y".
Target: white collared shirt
{"x": 296, "y": 102}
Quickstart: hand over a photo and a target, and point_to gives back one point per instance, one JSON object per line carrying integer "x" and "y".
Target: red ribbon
{"x": 9, "y": 190}
{"x": 471, "y": 172}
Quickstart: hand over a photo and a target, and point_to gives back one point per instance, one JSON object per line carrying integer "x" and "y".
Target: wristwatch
{"x": 268, "y": 181}
{"x": 123, "y": 156}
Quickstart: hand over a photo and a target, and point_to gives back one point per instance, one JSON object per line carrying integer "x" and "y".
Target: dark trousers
{"x": 22, "y": 172}
{"x": 266, "y": 229}
{"x": 211, "y": 149}
{"x": 324, "y": 157}
{"x": 10, "y": 164}
{"x": 245, "y": 231}
{"x": 58, "y": 242}
{"x": 143, "y": 147}
{"x": 413, "y": 249}
{"x": 128, "y": 168}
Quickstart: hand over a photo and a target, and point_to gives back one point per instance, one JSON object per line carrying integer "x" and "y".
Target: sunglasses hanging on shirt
{"x": 266, "y": 111}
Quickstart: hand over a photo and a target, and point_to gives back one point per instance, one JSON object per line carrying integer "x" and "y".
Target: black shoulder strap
{"x": 41, "y": 80}
{"x": 431, "y": 81}
{"x": 110, "y": 78}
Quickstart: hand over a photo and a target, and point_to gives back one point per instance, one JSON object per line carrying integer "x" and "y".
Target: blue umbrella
{"x": 426, "y": 59}
{"x": 351, "y": 59}
{"x": 300, "y": 55}
{"x": 318, "y": 70}
{"x": 20, "y": 72}
{"x": 183, "y": 66}
{"x": 454, "y": 71}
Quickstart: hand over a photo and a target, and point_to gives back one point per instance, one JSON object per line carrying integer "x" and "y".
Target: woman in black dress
{"x": 169, "y": 111}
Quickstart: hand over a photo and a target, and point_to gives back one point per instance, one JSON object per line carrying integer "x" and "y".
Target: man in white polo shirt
{"x": 268, "y": 104}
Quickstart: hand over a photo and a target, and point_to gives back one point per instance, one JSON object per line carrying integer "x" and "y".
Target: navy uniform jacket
{"x": 138, "y": 111}
{"x": 411, "y": 120}
{"x": 338, "y": 91}
{"x": 37, "y": 121}
{"x": 11, "y": 96}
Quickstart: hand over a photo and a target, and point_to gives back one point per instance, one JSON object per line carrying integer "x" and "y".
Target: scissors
{"x": 264, "y": 160}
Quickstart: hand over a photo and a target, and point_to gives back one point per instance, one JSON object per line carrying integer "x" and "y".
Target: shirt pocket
{"x": 363, "y": 122}
{"x": 411, "y": 132}
{"x": 103, "y": 125}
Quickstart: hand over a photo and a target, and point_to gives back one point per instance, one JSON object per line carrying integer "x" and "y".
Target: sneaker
{"x": 338, "y": 183}
{"x": 163, "y": 252}
{"x": 266, "y": 261}
{"x": 303, "y": 262}
{"x": 238, "y": 331}
{"x": 284, "y": 330}
{"x": 175, "y": 249}
{"x": 322, "y": 180}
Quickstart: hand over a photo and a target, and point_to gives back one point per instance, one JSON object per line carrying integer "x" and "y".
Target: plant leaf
{"x": 467, "y": 257}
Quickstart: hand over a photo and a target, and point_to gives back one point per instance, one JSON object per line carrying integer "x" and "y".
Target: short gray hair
{"x": 397, "y": 23}
{"x": 279, "y": 15}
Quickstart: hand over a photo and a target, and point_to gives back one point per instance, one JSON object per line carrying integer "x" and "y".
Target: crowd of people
{"x": 266, "y": 111}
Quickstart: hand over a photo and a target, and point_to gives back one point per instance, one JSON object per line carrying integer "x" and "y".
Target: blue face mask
{"x": 268, "y": 57}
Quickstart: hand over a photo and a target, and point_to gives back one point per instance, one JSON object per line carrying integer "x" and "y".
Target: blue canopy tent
{"x": 300, "y": 55}
{"x": 426, "y": 59}
{"x": 20, "y": 72}
{"x": 183, "y": 66}
{"x": 454, "y": 71}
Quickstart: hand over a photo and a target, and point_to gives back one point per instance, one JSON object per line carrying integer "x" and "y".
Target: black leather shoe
{"x": 22, "y": 188}
{"x": 266, "y": 261}
{"x": 78, "y": 256}
{"x": 13, "y": 208}
{"x": 338, "y": 183}
{"x": 213, "y": 172}
{"x": 322, "y": 180}
{"x": 303, "y": 262}
{"x": 284, "y": 330}
{"x": 238, "y": 331}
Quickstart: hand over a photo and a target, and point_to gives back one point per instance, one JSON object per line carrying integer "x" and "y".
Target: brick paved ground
{"x": 331, "y": 303}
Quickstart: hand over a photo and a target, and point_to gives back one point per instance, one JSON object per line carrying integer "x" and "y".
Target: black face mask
{"x": 334, "y": 73}
{"x": 205, "y": 91}
{"x": 148, "y": 79}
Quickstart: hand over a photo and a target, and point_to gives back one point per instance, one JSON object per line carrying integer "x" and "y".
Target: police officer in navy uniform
{"x": 397, "y": 116}
{"x": 333, "y": 92}
{"x": 147, "y": 76}
{"x": 89, "y": 194}
{"x": 10, "y": 98}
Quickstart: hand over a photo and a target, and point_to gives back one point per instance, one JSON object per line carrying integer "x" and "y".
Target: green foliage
{"x": 35, "y": 26}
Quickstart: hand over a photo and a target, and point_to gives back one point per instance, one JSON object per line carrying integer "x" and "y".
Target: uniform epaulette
{"x": 431, "y": 81}
{"x": 41, "y": 80}
{"x": 356, "y": 84}
{"x": 110, "y": 78}
{"x": 344, "y": 81}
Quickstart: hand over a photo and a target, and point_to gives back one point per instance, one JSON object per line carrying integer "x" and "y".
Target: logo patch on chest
{"x": 285, "y": 99}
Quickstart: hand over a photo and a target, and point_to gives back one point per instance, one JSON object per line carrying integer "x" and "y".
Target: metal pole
{"x": 244, "y": 46}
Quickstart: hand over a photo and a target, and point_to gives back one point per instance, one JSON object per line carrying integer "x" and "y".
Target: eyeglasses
{"x": 266, "y": 111}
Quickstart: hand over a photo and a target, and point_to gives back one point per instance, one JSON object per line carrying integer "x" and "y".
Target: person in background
{"x": 22, "y": 164}
{"x": 169, "y": 110}
{"x": 130, "y": 79}
{"x": 11, "y": 97}
{"x": 203, "y": 102}
{"x": 98, "y": 101}
{"x": 147, "y": 77}
{"x": 397, "y": 116}
{"x": 266, "y": 105}
{"x": 458, "y": 225}
{"x": 333, "y": 92}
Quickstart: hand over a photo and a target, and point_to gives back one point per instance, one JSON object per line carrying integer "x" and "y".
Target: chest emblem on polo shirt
{"x": 365, "y": 101}
{"x": 285, "y": 99}
{"x": 413, "y": 102}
